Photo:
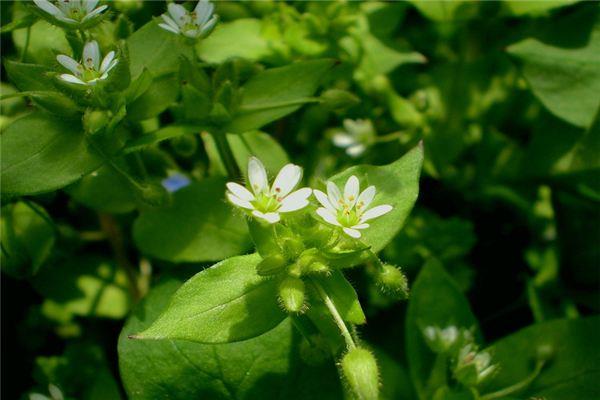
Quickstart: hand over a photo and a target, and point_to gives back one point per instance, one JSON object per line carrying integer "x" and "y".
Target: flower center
{"x": 348, "y": 217}
{"x": 265, "y": 202}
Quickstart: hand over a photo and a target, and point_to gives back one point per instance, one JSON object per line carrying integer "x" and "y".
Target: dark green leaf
{"x": 161, "y": 93}
{"x": 198, "y": 226}
{"x": 28, "y": 77}
{"x": 41, "y": 154}
{"x": 227, "y": 302}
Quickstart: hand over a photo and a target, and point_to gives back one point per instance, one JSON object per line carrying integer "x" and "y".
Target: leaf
{"x": 240, "y": 38}
{"x": 436, "y": 300}
{"x": 199, "y": 225}
{"x": 161, "y": 93}
{"x": 276, "y": 92}
{"x": 529, "y": 7}
{"x": 565, "y": 80}
{"x": 379, "y": 59}
{"x": 243, "y": 146}
{"x": 343, "y": 297}
{"x": 104, "y": 190}
{"x": 444, "y": 11}
{"x": 27, "y": 239}
{"x": 161, "y": 134}
{"x": 266, "y": 366}
{"x": 28, "y": 77}
{"x": 45, "y": 42}
{"x": 85, "y": 286}
{"x": 155, "y": 49}
{"x": 41, "y": 154}
{"x": 227, "y": 302}
{"x": 397, "y": 184}
{"x": 571, "y": 373}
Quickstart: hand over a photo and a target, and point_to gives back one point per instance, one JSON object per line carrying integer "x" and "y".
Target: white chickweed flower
{"x": 349, "y": 211}
{"x": 90, "y": 70}
{"x": 267, "y": 203}
{"x": 71, "y": 11}
{"x": 190, "y": 24}
{"x": 355, "y": 137}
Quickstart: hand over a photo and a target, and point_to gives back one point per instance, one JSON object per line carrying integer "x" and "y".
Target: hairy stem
{"x": 336, "y": 315}
{"x": 226, "y": 154}
{"x": 517, "y": 386}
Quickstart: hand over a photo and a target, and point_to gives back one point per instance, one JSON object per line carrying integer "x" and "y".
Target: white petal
{"x": 286, "y": 180}
{"x": 270, "y": 217}
{"x": 169, "y": 21}
{"x": 365, "y": 198}
{"x": 361, "y": 226}
{"x": 328, "y": 216}
{"x": 239, "y": 202}
{"x": 240, "y": 191}
{"x": 203, "y": 10}
{"x": 257, "y": 175}
{"x": 169, "y": 28}
{"x": 111, "y": 65}
{"x": 352, "y": 232}
{"x": 178, "y": 12}
{"x": 91, "y": 55}
{"x": 296, "y": 200}
{"x": 376, "y": 212}
{"x": 351, "y": 190}
{"x": 335, "y": 196}
{"x": 323, "y": 199}
{"x": 69, "y": 64}
{"x": 343, "y": 140}
{"x": 48, "y": 7}
{"x": 356, "y": 150}
{"x": 90, "y": 5}
{"x": 106, "y": 61}
{"x": 61, "y": 17}
{"x": 209, "y": 25}
{"x": 94, "y": 13}
{"x": 72, "y": 79}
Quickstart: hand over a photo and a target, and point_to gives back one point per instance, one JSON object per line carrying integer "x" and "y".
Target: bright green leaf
{"x": 199, "y": 225}
{"x": 343, "y": 296}
{"x": 227, "y": 302}
{"x": 240, "y": 38}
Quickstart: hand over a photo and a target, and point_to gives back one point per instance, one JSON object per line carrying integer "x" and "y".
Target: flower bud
{"x": 154, "y": 195}
{"x": 361, "y": 373}
{"x": 94, "y": 121}
{"x": 318, "y": 268}
{"x": 292, "y": 294}
{"x": 292, "y": 247}
{"x": 271, "y": 265}
{"x": 392, "y": 282}
{"x": 336, "y": 99}
{"x": 544, "y": 352}
{"x": 473, "y": 367}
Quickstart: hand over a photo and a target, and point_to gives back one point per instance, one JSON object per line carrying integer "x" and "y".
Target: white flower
{"x": 355, "y": 137}
{"x": 191, "y": 24}
{"x": 349, "y": 211}
{"x": 90, "y": 70}
{"x": 267, "y": 203}
{"x": 71, "y": 11}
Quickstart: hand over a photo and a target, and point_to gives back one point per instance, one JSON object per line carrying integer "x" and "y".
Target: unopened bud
{"x": 318, "y": 268}
{"x": 292, "y": 247}
{"x": 361, "y": 373}
{"x": 94, "y": 120}
{"x": 392, "y": 282}
{"x": 271, "y": 265}
{"x": 544, "y": 352}
{"x": 154, "y": 195}
{"x": 292, "y": 294}
{"x": 337, "y": 99}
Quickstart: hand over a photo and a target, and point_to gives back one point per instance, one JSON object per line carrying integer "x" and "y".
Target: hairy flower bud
{"x": 392, "y": 282}
{"x": 361, "y": 373}
{"x": 292, "y": 294}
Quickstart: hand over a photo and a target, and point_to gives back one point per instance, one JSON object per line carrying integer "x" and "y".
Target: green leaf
{"x": 379, "y": 59}
{"x": 161, "y": 93}
{"x": 85, "y": 286}
{"x": 436, "y": 301}
{"x": 104, "y": 190}
{"x": 155, "y": 49}
{"x": 276, "y": 92}
{"x": 258, "y": 144}
{"x": 28, "y": 77}
{"x": 159, "y": 135}
{"x": 266, "y": 366}
{"x": 240, "y": 38}
{"x": 45, "y": 42}
{"x": 343, "y": 296}
{"x": 40, "y": 154}
{"x": 27, "y": 239}
{"x": 532, "y": 7}
{"x": 565, "y": 79}
{"x": 444, "y": 11}
{"x": 227, "y": 302}
{"x": 397, "y": 184}
{"x": 572, "y": 371}
{"x": 198, "y": 226}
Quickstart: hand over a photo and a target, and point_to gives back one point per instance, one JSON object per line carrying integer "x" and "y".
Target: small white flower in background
{"x": 190, "y": 24}
{"x": 268, "y": 202}
{"x": 349, "y": 211}
{"x": 90, "y": 70}
{"x": 356, "y": 136}
{"x": 71, "y": 11}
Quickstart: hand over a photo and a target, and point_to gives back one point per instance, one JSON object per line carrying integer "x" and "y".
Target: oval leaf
{"x": 227, "y": 302}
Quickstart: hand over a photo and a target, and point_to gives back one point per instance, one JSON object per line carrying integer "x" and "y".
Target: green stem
{"x": 26, "y": 47}
{"x": 517, "y": 386}
{"x": 226, "y": 154}
{"x": 335, "y": 314}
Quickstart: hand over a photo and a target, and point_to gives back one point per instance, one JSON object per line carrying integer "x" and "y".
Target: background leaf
{"x": 239, "y": 38}
{"x": 199, "y": 225}
{"x": 227, "y": 302}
